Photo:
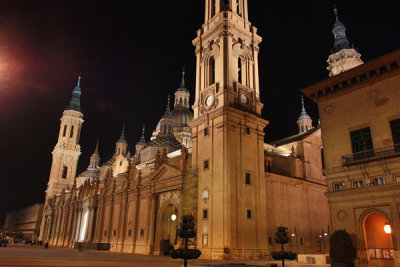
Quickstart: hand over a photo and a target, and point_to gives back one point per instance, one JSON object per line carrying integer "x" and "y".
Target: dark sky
{"x": 130, "y": 57}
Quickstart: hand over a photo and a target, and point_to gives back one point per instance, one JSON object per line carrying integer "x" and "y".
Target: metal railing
{"x": 371, "y": 155}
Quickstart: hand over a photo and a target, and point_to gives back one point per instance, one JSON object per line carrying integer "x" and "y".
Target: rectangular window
{"x": 322, "y": 158}
{"x": 378, "y": 181}
{"x": 301, "y": 241}
{"x": 248, "y": 214}
{"x": 395, "y": 125}
{"x": 361, "y": 143}
{"x": 248, "y": 178}
{"x": 338, "y": 186}
{"x": 248, "y": 130}
{"x": 64, "y": 172}
{"x": 115, "y": 233}
{"x": 358, "y": 184}
{"x": 205, "y": 131}
{"x": 397, "y": 177}
{"x": 129, "y": 232}
{"x": 269, "y": 240}
{"x": 105, "y": 233}
{"x": 142, "y": 232}
{"x": 205, "y": 214}
{"x": 205, "y": 165}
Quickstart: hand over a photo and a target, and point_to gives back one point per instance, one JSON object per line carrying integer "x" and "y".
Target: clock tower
{"x": 67, "y": 150}
{"x": 228, "y": 135}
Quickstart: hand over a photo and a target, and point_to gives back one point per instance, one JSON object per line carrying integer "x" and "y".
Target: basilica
{"x": 207, "y": 157}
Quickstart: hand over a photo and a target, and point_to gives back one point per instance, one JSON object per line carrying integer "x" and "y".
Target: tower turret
{"x": 304, "y": 122}
{"x": 343, "y": 56}
{"x": 166, "y": 123}
{"x": 95, "y": 158}
{"x": 182, "y": 94}
{"x": 121, "y": 146}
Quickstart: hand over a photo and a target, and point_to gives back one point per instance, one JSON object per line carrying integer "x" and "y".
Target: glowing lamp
{"x": 387, "y": 228}
{"x": 293, "y": 234}
{"x": 173, "y": 217}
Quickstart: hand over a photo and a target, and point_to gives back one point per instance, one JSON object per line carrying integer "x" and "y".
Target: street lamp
{"x": 387, "y": 228}
{"x": 173, "y": 216}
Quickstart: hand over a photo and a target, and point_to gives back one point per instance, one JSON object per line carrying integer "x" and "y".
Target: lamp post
{"x": 388, "y": 230}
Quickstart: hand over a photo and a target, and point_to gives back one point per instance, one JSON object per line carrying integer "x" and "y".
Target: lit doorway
{"x": 168, "y": 229}
{"x": 378, "y": 239}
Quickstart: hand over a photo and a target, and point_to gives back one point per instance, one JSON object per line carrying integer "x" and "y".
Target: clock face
{"x": 244, "y": 99}
{"x": 209, "y": 100}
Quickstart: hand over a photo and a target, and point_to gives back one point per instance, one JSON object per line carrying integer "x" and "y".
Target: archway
{"x": 378, "y": 239}
{"x": 167, "y": 228}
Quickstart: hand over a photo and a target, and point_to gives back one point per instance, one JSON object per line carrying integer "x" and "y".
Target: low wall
{"x": 314, "y": 258}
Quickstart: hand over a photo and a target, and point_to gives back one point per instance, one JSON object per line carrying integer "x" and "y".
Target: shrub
{"x": 342, "y": 249}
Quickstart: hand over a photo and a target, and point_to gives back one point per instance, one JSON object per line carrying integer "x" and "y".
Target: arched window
{"x": 72, "y": 132}
{"x": 306, "y": 127}
{"x": 212, "y": 8}
{"x": 65, "y": 130}
{"x": 119, "y": 151}
{"x": 240, "y": 79}
{"x": 165, "y": 128}
{"x": 180, "y": 100}
{"x": 238, "y": 11}
{"x": 169, "y": 128}
{"x": 120, "y": 163}
{"x": 211, "y": 71}
{"x": 185, "y": 101}
{"x": 302, "y": 128}
{"x": 64, "y": 172}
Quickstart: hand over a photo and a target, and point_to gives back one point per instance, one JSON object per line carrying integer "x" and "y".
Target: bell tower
{"x": 67, "y": 150}
{"x": 228, "y": 135}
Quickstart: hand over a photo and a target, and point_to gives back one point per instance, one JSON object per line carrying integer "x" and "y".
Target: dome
{"x": 182, "y": 116}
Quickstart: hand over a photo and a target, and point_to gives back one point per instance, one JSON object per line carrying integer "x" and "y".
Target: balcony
{"x": 371, "y": 155}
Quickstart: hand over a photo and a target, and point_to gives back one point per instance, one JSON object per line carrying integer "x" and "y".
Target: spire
{"x": 167, "y": 114}
{"x": 183, "y": 86}
{"x": 143, "y": 138}
{"x": 303, "y": 115}
{"x": 96, "y": 151}
{"x": 122, "y": 137}
{"x": 339, "y": 32}
{"x": 75, "y": 103}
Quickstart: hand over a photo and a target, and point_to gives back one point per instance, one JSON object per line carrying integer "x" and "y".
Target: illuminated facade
{"x": 360, "y": 122}
{"x": 212, "y": 163}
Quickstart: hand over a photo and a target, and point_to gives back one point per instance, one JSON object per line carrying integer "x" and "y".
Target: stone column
{"x": 89, "y": 232}
{"x": 74, "y": 226}
{"x": 68, "y": 227}
{"x": 122, "y": 225}
{"x": 61, "y": 234}
{"x": 49, "y": 227}
{"x": 54, "y": 227}
{"x": 99, "y": 221}
{"x": 152, "y": 221}
{"x": 394, "y": 212}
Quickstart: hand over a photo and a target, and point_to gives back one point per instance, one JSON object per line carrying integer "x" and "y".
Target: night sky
{"x": 130, "y": 57}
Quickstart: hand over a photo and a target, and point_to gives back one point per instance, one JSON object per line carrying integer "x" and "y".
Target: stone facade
{"x": 211, "y": 163}
{"x": 359, "y": 110}
{"x": 26, "y": 221}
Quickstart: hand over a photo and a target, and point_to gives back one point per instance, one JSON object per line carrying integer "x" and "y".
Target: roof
{"x": 90, "y": 173}
{"x": 372, "y": 71}
{"x": 294, "y": 138}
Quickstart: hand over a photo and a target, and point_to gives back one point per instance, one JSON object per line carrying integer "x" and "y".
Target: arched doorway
{"x": 378, "y": 240}
{"x": 167, "y": 228}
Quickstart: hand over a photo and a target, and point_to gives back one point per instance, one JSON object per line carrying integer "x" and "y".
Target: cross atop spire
{"x": 182, "y": 87}
{"x": 303, "y": 115}
{"x": 96, "y": 151}
{"x": 75, "y": 103}
{"x": 339, "y": 32}
{"x": 167, "y": 114}
{"x": 122, "y": 137}
{"x": 143, "y": 138}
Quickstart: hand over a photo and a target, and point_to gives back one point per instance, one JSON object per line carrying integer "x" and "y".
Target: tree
{"x": 185, "y": 232}
{"x": 282, "y": 238}
{"x": 342, "y": 250}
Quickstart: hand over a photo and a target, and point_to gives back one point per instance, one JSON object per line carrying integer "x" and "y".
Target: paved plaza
{"x": 24, "y": 255}
{"x": 37, "y": 256}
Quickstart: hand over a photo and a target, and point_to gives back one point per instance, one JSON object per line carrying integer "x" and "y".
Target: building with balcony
{"x": 360, "y": 122}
